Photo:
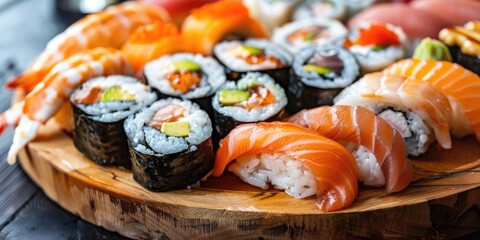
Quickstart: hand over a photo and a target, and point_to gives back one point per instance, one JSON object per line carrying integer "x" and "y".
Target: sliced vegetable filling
{"x": 94, "y": 95}
{"x": 254, "y": 55}
{"x": 169, "y": 121}
{"x": 253, "y": 97}
{"x": 324, "y": 63}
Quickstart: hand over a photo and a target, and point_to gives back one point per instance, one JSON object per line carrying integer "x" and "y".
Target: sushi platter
{"x": 446, "y": 183}
{"x": 281, "y": 119}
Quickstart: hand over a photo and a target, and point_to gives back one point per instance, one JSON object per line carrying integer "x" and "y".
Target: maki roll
{"x": 187, "y": 76}
{"x": 254, "y": 55}
{"x": 170, "y": 144}
{"x": 254, "y": 98}
{"x": 464, "y": 44}
{"x": 313, "y": 31}
{"x": 335, "y": 9}
{"x": 100, "y": 106}
{"x": 376, "y": 45}
{"x": 319, "y": 73}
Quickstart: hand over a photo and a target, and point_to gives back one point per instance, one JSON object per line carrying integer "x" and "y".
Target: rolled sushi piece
{"x": 420, "y": 112}
{"x": 271, "y": 13}
{"x": 335, "y": 9}
{"x": 319, "y": 73}
{"x": 298, "y": 34}
{"x": 292, "y": 158}
{"x": 464, "y": 44}
{"x": 187, "y": 76}
{"x": 254, "y": 98}
{"x": 254, "y": 55}
{"x": 100, "y": 107}
{"x": 376, "y": 45}
{"x": 378, "y": 148}
{"x": 170, "y": 144}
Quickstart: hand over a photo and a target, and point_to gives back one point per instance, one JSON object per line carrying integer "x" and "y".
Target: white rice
{"x": 240, "y": 65}
{"x": 149, "y": 140}
{"x": 256, "y": 114}
{"x": 414, "y": 130}
{"x": 213, "y": 75}
{"x": 370, "y": 172}
{"x": 117, "y": 110}
{"x": 338, "y": 10}
{"x": 349, "y": 72}
{"x": 334, "y": 28}
{"x": 280, "y": 170}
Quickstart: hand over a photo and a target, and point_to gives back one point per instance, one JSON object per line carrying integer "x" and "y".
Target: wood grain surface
{"x": 443, "y": 200}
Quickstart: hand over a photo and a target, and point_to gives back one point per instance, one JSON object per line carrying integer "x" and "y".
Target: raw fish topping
{"x": 466, "y": 37}
{"x": 167, "y": 114}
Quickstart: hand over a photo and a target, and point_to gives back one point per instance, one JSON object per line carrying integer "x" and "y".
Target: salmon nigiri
{"x": 388, "y": 166}
{"x": 461, "y": 85}
{"x": 415, "y": 108}
{"x": 293, "y": 158}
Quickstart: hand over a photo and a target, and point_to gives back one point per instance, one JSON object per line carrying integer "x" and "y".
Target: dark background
{"x": 25, "y": 212}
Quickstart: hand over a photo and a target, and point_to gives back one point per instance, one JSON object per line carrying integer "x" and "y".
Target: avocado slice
{"x": 116, "y": 93}
{"x": 309, "y": 37}
{"x": 176, "y": 129}
{"x": 232, "y": 96}
{"x": 246, "y": 50}
{"x": 317, "y": 69}
{"x": 186, "y": 65}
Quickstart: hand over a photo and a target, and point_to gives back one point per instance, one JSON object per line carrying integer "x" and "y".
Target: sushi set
{"x": 276, "y": 119}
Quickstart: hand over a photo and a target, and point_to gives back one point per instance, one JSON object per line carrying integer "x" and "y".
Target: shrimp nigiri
{"x": 48, "y": 96}
{"x": 293, "y": 158}
{"x": 388, "y": 166}
{"x": 413, "y": 107}
{"x": 459, "y": 84}
{"x": 214, "y": 21}
{"x": 109, "y": 28}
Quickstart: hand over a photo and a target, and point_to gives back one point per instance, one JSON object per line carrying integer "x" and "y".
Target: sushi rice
{"x": 148, "y": 140}
{"x": 335, "y": 31}
{"x": 258, "y": 113}
{"x": 213, "y": 77}
{"x": 239, "y": 65}
{"x": 112, "y": 111}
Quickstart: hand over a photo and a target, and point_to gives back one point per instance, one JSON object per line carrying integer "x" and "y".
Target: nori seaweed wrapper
{"x": 469, "y": 62}
{"x": 172, "y": 171}
{"x": 104, "y": 143}
{"x": 301, "y": 96}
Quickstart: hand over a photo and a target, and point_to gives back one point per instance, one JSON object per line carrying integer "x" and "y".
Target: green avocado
{"x": 317, "y": 69}
{"x": 186, "y": 65}
{"x": 176, "y": 129}
{"x": 432, "y": 49}
{"x": 379, "y": 47}
{"x": 116, "y": 93}
{"x": 251, "y": 50}
{"x": 232, "y": 96}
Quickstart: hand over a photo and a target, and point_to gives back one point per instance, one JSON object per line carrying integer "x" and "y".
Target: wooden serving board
{"x": 442, "y": 201}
